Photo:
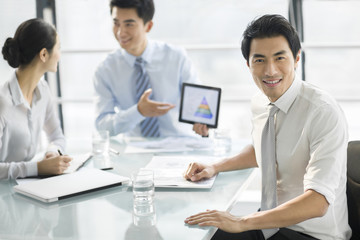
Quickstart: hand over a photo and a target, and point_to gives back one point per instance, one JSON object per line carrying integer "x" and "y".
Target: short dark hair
{"x": 30, "y": 37}
{"x": 144, "y": 8}
{"x": 270, "y": 26}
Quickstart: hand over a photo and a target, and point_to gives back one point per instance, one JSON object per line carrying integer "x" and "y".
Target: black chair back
{"x": 353, "y": 187}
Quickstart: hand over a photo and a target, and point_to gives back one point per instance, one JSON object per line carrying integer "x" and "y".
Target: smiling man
{"x": 299, "y": 142}
{"x": 138, "y": 87}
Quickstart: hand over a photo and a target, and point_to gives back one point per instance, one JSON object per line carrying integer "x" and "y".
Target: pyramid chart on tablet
{"x": 203, "y": 110}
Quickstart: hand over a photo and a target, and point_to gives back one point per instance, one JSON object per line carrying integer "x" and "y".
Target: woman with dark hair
{"x": 25, "y": 104}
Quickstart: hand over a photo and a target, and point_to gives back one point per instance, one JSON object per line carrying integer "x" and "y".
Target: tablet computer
{"x": 200, "y": 104}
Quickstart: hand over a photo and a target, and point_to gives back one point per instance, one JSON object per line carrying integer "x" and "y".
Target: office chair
{"x": 353, "y": 187}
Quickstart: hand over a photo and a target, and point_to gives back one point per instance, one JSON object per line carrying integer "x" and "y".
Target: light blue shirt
{"x": 114, "y": 82}
{"x": 21, "y": 126}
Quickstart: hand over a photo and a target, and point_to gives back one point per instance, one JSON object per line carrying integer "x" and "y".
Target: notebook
{"x": 77, "y": 162}
{"x": 64, "y": 186}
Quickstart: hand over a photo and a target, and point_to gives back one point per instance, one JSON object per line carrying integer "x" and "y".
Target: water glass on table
{"x": 143, "y": 197}
{"x": 222, "y": 141}
{"x": 100, "y": 142}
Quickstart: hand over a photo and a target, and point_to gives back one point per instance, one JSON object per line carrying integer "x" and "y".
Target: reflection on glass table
{"x": 108, "y": 214}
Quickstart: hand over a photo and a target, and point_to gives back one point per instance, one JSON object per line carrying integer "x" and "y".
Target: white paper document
{"x": 170, "y": 144}
{"x": 77, "y": 162}
{"x": 169, "y": 170}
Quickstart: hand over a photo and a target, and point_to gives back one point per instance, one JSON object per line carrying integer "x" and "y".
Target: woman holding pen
{"x": 25, "y": 103}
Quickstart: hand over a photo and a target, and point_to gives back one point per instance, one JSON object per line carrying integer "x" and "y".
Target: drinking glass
{"x": 100, "y": 142}
{"x": 222, "y": 141}
{"x": 143, "y": 196}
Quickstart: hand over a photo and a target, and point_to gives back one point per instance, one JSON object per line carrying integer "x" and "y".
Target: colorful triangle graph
{"x": 203, "y": 110}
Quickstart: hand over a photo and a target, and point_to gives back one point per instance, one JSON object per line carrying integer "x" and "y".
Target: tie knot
{"x": 139, "y": 62}
{"x": 273, "y": 110}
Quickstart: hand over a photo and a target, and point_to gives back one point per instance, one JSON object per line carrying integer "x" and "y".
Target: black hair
{"x": 144, "y": 8}
{"x": 30, "y": 37}
{"x": 270, "y": 26}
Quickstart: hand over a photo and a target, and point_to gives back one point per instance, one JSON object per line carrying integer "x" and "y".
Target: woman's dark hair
{"x": 30, "y": 37}
{"x": 270, "y": 26}
{"x": 144, "y": 8}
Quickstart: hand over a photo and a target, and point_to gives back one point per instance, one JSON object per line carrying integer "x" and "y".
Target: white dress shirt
{"x": 21, "y": 126}
{"x": 114, "y": 82}
{"x": 311, "y": 150}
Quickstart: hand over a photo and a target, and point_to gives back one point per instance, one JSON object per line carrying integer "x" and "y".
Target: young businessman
{"x": 138, "y": 87}
{"x": 303, "y": 189}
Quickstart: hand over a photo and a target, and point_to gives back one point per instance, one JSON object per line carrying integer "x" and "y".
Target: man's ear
{"x": 148, "y": 26}
{"x": 297, "y": 59}
{"x": 43, "y": 55}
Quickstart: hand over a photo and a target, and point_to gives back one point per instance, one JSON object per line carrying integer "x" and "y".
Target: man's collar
{"x": 146, "y": 55}
{"x": 287, "y": 99}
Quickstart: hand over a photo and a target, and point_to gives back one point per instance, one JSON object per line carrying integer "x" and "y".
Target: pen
{"x": 60, "y": 152}
{"x": 114, "y": 151}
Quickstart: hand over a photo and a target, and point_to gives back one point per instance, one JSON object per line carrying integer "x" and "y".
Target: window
{"x": 9, "y": 21}
{"x": 210, "y": 30}
{"x": 332, "y": 45}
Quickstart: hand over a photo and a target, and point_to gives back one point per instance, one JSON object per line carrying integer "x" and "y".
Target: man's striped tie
{"x": 150, "y": 125}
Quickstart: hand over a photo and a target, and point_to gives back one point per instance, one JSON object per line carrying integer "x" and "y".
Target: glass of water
{"x": 222, "y": 141}
{"x": 143, "y": 196}
{"x": 100, "y": 142}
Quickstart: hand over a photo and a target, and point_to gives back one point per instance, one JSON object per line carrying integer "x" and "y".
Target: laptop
{"x": 64, "y": 186}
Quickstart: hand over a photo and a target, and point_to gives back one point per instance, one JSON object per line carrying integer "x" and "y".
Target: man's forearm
{"x": 309, "y": 205}
{"x": 245, "y": 159}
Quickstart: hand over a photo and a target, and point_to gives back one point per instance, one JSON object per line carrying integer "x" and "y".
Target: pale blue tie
{"x": 150, "y": 125}
{"x": 268, "y": 167}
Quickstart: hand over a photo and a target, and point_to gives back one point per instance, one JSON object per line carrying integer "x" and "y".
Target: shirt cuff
{"x": 323, "y": 190}
{"x": 136, "y": 113}
{"x": 31, "y": 169}
{"x": 53, "y": 148}
{"x": 133, "y": 115}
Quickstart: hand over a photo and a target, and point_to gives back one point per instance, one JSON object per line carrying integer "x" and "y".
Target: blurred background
{"x": 211, "y": 31}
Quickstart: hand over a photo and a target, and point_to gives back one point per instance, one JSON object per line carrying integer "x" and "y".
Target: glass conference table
{"x": 107, "y": 214}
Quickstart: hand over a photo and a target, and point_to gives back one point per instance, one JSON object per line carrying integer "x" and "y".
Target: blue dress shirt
{"x": 114, "y": 82}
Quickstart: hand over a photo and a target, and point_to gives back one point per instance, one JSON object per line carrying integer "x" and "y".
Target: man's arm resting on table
{"x": 310, "y": 204}
{"x": 245, "y": 159}
{"x": 306, "y": 206}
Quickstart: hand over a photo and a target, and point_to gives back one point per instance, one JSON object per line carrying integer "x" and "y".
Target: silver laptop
{"x": 68, "y": 185}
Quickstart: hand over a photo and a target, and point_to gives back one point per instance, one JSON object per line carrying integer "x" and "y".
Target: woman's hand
{"x": 53, "y": 165}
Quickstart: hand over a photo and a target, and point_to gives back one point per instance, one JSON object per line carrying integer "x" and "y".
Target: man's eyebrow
{"x": 280, "y": 53}
{"x": 129, "y": 20}
{"x": 125, "y": 21}
{"x": 257, "y": 55}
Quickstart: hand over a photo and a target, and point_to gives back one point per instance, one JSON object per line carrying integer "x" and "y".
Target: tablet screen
{"x": 200, "y": 104}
